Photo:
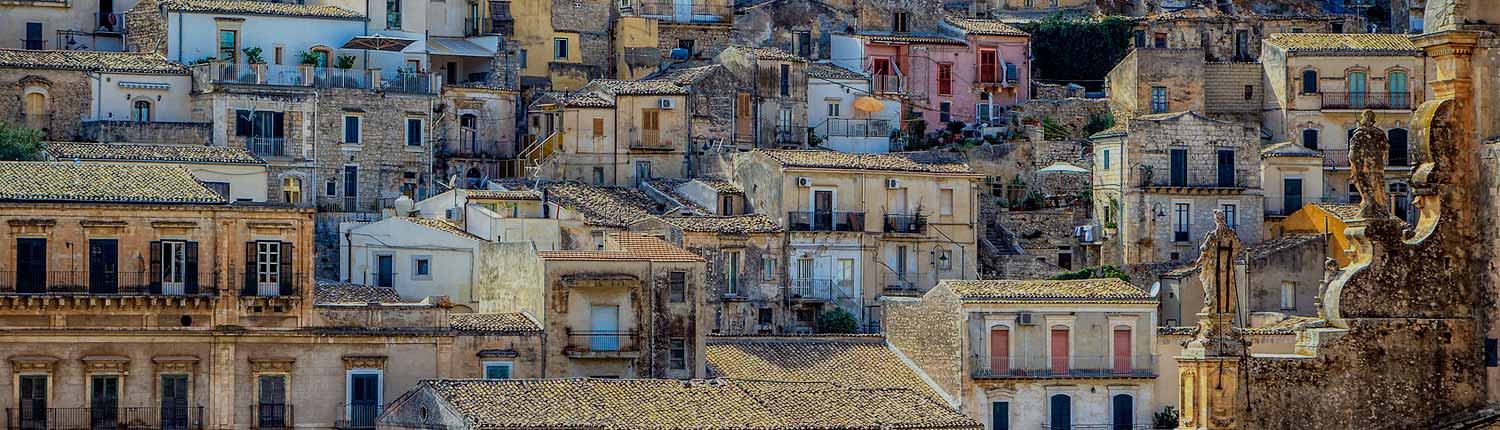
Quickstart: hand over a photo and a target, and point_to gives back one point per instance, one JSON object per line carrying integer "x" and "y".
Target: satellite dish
{"x": 869, "y": 104}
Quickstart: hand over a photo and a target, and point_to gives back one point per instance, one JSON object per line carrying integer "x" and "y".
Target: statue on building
{"x": 1209, "y": 368}
{"x": 1368, "y": 150}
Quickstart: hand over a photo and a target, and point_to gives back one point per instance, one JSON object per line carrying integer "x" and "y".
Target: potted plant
{"x": 343, "y": 77}
{"x": 257, "y": 64}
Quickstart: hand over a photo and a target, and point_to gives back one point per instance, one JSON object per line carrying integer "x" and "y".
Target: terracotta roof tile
{"x": 1105, "y": 289}
{"x": 909, "y": 39}
{"x": 734, "y": 224}
{"x": 101, "y": 183}
{"x": 63, "y": 151}
{"x": 832, "y": 71}
{"x": 503, "y": 195}
{"x": 1360, "y": 43}
{"x": 507, "y": 322}
{"x": 604, "y": 206}
{"x": 683, "y": 76}
{"x": 1343, "y": 211}
{"x": 720, "y": 185}
{"x": 855, "y": 362}
{"x": 652, "y": 247}
{"x": 252, "y": 7}
{"x": 620, "y": 404}
{"x": 101, "y": 61}
{"x": 985, "y": 27}
{"x": 442, "y": 225}
{"x": 642, "y": 87}
{"x": 769, "y": 53}
{"x": 583, "y": 100}
{"x": 338, "y": 292}
{"x": 896, "y": 161}
{"x": 1288, "y": 149}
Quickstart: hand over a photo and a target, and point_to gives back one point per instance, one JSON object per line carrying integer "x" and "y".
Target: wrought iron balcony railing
{"x": 825, "y": 221}
{"x": 1366, "y": 100}
{"x": 1039, "y": 366}
{"x": 105, "y": 418}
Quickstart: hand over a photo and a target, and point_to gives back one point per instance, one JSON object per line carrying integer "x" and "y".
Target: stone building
{"x": 136, "y": 296}
{"x": 1321, "y": 82}
{"x": 771, "y": 103}
{"x": 477, "y": 132}
{"x": 855, "y": 361}
{"x": 1159, "y": 178}
{"x": 646, "y": 33}
{"x": 69, "y": 26}
{"x": 562, "y": 45}
{"x": 1029, "y": 354}
{"x": 712, "y": 96}
{"x": 611, "y": 132}
{"x": 705, "y": 404}
{"x": 1233, "y": 35}
{"x": 1154, "y": 80}
{"x": 73, "y": 95}
{"x": 802, "y": 27}
{"x": 1281, "y": 274}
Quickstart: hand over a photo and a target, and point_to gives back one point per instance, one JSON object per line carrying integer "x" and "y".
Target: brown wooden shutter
{"x": 191, "y": 272}
{"x": 286, "y": 269}
{"x": 598, "y": 127}
{"x": 249, "y": 288}
{"x": 155, "y": 269}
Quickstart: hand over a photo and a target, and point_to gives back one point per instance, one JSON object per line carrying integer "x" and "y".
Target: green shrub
{"x": 1058, "y": 55}
{"x": 19, "y": 143}
{"x": 1095, "y": 272}
{"x": 837, "y": 321}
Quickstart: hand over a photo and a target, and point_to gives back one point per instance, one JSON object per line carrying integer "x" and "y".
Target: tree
{"x": 19, "y": 143}
{"x": 837, "y": 321}
{"x": 1060, "y": 57}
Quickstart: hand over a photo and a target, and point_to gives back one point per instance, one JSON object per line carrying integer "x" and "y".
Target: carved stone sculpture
{"x": 1368, "y": 149}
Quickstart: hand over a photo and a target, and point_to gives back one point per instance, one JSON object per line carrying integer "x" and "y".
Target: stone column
{"x": 1209, "y": 373}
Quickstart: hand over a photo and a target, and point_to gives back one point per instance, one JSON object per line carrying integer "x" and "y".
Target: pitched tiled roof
{"x": 769, "y": 53}
{"x": 252, "y": 7}
{"x": 685, "y": 75}
{"x": 642, "y": 87}
{"x": 1118, "y": 129}
{"x": 855, "y": 362}
{"x": 101, "y": 61}
{"x": 442, "y": 225}
{"x": 102, "y": 183}
{"x": 506, "y": 322}
{"x": 985, "y": 27}
{"x": 158, "y": 153}
{"x": 1343, "y": 211}
{"x": 832, "y": 71}
{"x": 720, "y": 185}
{"x": 666, "y": 404}
{"x": 1279, "y": 244}
{"x": 734, "y": 224}
{"x": 504, "y": 194}
{"x": 896, "y": 161}
{"x": 1104, "y": 289}
{"x": 338, "y": 292}
{"x": 604, "y": 206}
{"x": 1288, "y": 149}
{"x": 628, "y": 247}
{"x": 909, "y": 39}
{"x": 1353, "y": 43}
{"x": 583, "y": 100}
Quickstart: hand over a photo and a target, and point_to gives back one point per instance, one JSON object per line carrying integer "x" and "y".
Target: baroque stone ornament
{"x": 1213, "y": 395}
{"x": 1368, "y": 150}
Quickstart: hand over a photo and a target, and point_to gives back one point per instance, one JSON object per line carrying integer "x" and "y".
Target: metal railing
{"x": 408, "y": 82}
{"x": 267, "y": 146}
{"x": 850, "y": 127}
{"x": 1366, "y": 100}
{"x": 885, "y": 84}
{"x": 791, "y": 134}
{"x": 34, "y": 44}
{"x": 811, "y": 289}
{"x": 105, "y": 418}
{"x": 333, "y": 77}
{"x": 1097, "y": 427}
{"x": 825, "y": 221}
{"x": 75, "y": 282}
{"x": 693, "y": 11}
{"x": 1337, "y": 158}
{"x": 899, "y": 223}
{"x": 604, "y": 340}
{"x": 358, "y": 416}
{"x": 271, "y": 417}
{"x": 904, "y": 282}
{"x": 1038, "y": 366}
{"x": 648, "y": 139}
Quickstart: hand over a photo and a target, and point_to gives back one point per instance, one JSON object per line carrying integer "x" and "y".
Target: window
{"x": 1309, "y": 81}
{"x": 559, "y": 48}
{"x": 267, "y": 268}
{"x": 1288, "y": 295}
{"x": 732, "y": 272}
{"x": 34, "y": 39}
{"x": 1179, "y": 166}
{"x": 413, "y": 132}
{"x": 1291, "y": 195}
{"x": 677, "y": 287}
{"x": 899, "y": 22}
{"x": 651, "y": 120}
{"x": 677, "y": 352}
{"x": 598, "y": 176}
{"x": 1065, "y": 257}
{"x": 1181, "y": 228}
{"x": 1226, "y": 167}
{"x": 1397, "y": 154}
{"x": 802, "y": 42}
{"x": 944, "y": 112}
{"x": 786, "y": 80}
{"x": 33, "y": 401}
{"x": 1249, "y": 92}
{"x": 351, "y": 130}
{"x": 1310, "y": 138}
{"x": 945, "y": 201}
{"x": 1160, "y": 40}
{"x": 598, "y": 127}
{"x": 36, "y": 110}
{"x": 393, "y": 14}
{"x": 1120, "y": 343}
{"x": 1158, "y": 99}
{"x": 363, "y": 398}
{"x": 330, "y": 188}
{"x": 271, "y": 401}
{"x": 1298, "y": 30}
{"x": 291, "y": 190}
{"x": 1337, "y": 27}
{"x": 228, "y": 46}
{"x": 767, "y": 267}
{"x": 176, "y": 264}
{"x": 421, "y": 267}
{"x": 1000, "y": 416}
{"x": 1106, "y": 159}
{"x": 141, "y": 111}
{"x": 277, "y": 54}
{"x": 1358, "y": 92}
{"x": 265, "y": 130}
{"x": 1242, "y": 45}
{"x": 726, "y": 205}
{"x": 765, "y": 316}
{"x": 688, "y": 45}
{"x": 833, "y": 107}
{"x": 1395, "y": 82}
{"x": 104, "y": 398}
{"x": 1140, "y": 39}
{"x": 945, "y": 79}
{"x": 523, "y": 58}
{"x": 742, "y": 105}
{"x": 497, "y": 370}
{"x": 1060, "y": 346}
{"x": 989, "y": 66}
{"x": 1060, "y": 412}
{"x": 220, "y": 188}
{"x": 1230, "y": 215}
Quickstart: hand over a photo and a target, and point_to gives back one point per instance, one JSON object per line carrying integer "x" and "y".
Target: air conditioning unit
{"x": 892, "y": 183}
{"x": 666, "y": 103}
{"x": 803, "y": 181}
{"x": 1026, "y": 319}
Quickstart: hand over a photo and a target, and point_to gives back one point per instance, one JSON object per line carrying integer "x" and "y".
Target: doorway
{"x": 104, "y": 266}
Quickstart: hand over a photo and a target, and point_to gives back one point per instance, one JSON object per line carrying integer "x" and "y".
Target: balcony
{"x": 1366, "y": 100}
{"x": 906, "y": 224}
{"x": 1335, "y": 158}
{"x": 693, "y": 11}
{"x": 886, "y": 84}
{"x": 1073, "y": 366}
{"x": 602, "y": 343}
{"x": 358, "y": 416}
{"x": 825, "y": 221}
{"x": 791, "y": 134}
{"x": 271, "y": 417}
{"x": 267, "y": 146}
{"x": 206, "y": 75}
{"x": 34, "y": 44}
{"x": 849, "y": 127}
{"x": 106, "y": 418}
{"x": 811, "y": 289}
{"x": 651, "y": 140}
{"x": 84, "y": 282}
{"x": 904, "y": 283}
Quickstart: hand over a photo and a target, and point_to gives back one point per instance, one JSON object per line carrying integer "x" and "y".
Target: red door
{"x": 989, "y": 66}
{"x": 1059, "y": 351}
{"x": 1122, "y": 350}
{"x": 999, "y": 351}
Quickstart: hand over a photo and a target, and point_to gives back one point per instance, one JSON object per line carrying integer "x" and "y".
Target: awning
{"x": 458, "y": 47}
{"x": 378, "y": 43}
{"x": 1065, "y": 168}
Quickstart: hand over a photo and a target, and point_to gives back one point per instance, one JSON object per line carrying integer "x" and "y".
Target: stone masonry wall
{"x": 68, "y": 98}
{"x": 774, "y": 24}
{"x": 195, "y": 133}
{"x": 930, "y": 332}
{"x": 1072, "y": 113}
{"x": 148, "y": 30}
{"x": 385, "y": 162}
{"x": 708, "y": 39}
{"x": 1225, "y": 88}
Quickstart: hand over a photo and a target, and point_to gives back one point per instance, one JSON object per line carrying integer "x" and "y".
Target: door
{"x": 1060, "y": 412}
{"x": 107, "y": 15}
{"x": 173, "y": 268}
{"x": 1179, "y": 167}
{"x": 1397, "y": 155}
{"x": 1226, "y": 168}
{"x": 898, "y": 201}
{"x": 104, "y": 266}
{"x": 1060, "y": 350}
{"x": 604, "y": 324}
{"x": 31, "y": 266}
{"x": 104, "y": 401}
{"x": 34, "y": 39}
{"x": 999, "y": 351}
{"x": 900, "y": 263}
{"x": 33, "y": 397}
{"x": 1122, "y": 351}
{"x": 1123, "y": 412}
{"x": 989, "y": 69}
{"x": 823, "y": 210}
{"x": 1241, "y": 45}
{"x": 271, "y": 408}
{"x": 174, "y": 401}
{"x": 1291, "y": 195}
{"x": 843, "y": 277}
{"x": 386, "y": 267}
{"x": 351, "y": 188}
{"x": 1000, "y": 416}
{"x": 1396, "y": 83}
{"x": 268, "y": 269}
{"x": 364, "y": 399}
{"x": 1357, "y": 90}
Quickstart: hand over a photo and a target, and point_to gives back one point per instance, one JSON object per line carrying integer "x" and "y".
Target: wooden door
{"x": 174, "y": 401}
{"x": 1122, "y": 350}
{"x": 104, "y": 266}
{"x": 999, "y": 351}
{"x": 31, "y": 266}
{"x": 1060, "y": 351}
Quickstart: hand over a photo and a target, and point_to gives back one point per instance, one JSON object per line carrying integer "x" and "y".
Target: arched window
{"x": 1310, "y": 138}
{"x": 1398, "y": 154}
{"x": 141, "y": 111}
{"x": 1060, "y": 412}
{"x": 291, "y": 190}
{"x": 36, "y": 110}
{"x": 999, "y": 350}
{"x": 1122, "y": 415}
{"x": 1309, "y": 81}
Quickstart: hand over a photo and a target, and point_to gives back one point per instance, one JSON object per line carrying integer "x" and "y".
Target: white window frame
{"x": 267, "y": 268}
{"x": 560, "y": 54}
{"x": 945, "y": 208}
{"x": 349, "y": 387}
{"x": 685, "y": 364}
{"x": 421, "y": 131}
{"x": 170, "y": 284}
{"x": 509, "y": 366}
{"x": 768, "y": 268}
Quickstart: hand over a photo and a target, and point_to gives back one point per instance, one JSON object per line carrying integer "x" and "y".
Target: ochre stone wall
{"x": 930, "y": 332}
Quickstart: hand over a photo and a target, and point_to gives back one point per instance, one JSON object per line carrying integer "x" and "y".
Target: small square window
{"x": 421, "y": 267}
{"x": 678, "y": 353}
{"x": 559, "y": 48}
{"x": 497, "y": 370}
